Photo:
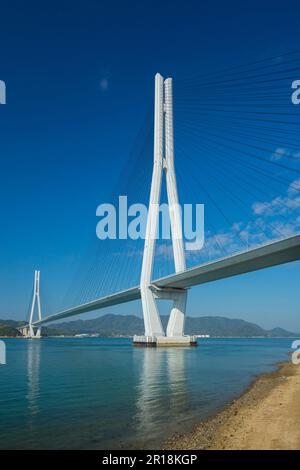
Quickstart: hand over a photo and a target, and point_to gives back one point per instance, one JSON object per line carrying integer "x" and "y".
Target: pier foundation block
{"x": 164, "y": 341}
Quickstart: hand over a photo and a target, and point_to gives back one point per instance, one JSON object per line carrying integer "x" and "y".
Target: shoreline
{"x": 130, "y": 337}
{"x": 265, "y": 416}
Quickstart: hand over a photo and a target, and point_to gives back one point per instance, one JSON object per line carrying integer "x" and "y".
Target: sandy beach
{"x": 266, "y": 416}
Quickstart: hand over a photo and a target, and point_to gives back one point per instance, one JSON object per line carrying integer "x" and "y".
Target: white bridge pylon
{"x": 30, "y": 331}
{"x": 163, "y": 164}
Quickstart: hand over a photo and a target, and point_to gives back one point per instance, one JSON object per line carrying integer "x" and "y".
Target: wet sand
{"x": 266, "y": 416}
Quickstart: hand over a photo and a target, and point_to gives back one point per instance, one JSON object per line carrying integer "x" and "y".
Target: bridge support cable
{"x": 109, "y": 266}
{"x": 267, "y": 62}
{"x": 238, "y": 133}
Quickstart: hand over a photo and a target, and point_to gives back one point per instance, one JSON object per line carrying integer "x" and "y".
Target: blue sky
{"x": 79, "y": 79}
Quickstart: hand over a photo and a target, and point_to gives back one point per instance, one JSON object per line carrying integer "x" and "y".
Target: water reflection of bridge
{"x": 162, "y": 387}
{"x": 33, "y": 376}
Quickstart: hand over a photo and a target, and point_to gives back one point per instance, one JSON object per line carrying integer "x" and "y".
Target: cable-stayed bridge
{"x": 271, "y": 254}
{"x": 245, "y": 140}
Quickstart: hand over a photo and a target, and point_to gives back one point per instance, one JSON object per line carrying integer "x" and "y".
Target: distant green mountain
{"x": 13, "y": 323}
{"x": 8, "y": 331}
{"x": 128, "y": 325}
{"x": 106, "y": 325}
{"x": 280, "y": 332}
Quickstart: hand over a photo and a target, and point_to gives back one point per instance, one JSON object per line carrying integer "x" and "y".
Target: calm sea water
{"x": 104, "y": 394}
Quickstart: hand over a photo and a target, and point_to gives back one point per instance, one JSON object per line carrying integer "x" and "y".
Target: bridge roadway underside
{"x": 272, "y": 254}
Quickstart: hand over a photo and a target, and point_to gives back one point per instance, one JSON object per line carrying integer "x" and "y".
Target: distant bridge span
{"x": 264, "y": 256}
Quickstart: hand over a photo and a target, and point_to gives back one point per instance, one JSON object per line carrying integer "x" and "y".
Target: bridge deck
{"x": 272, "y": 254}
{"x": 108, "y": 301}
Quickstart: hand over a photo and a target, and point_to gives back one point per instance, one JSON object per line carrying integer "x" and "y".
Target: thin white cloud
{"x": 282, "y": 152}
{"x": 104, "y": 84}
{"x": 294, "y": 187}
{"x": 279, "y": 153}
